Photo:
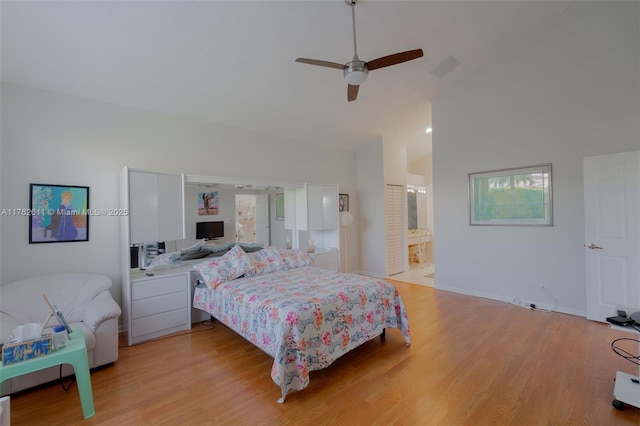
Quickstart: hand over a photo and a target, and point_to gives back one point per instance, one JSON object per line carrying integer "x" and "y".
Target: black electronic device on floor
{"x": 621, "y": 321}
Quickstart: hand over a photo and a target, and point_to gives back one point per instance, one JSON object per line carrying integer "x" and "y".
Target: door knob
{"x": 593, "y": 247}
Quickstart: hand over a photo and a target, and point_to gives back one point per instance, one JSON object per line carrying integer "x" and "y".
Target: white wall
{"x": 370, "y": 223}
{"x": 59, "y": 139}
{"x": 569, "y": 91}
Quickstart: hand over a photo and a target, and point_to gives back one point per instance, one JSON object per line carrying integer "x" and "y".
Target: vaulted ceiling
{"x": 233, "y": 62}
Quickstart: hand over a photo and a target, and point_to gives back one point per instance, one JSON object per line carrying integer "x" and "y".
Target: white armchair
{"x": 86, "y": 303}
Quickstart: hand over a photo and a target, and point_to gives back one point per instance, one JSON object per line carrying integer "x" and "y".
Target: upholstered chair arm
{"x": 7, "y": 324}
{"x": 100, "y": 309}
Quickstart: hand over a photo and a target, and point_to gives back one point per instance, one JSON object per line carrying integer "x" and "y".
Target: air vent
{"x": 445, "y": 67}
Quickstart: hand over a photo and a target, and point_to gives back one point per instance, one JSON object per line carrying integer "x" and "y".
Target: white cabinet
{"x": 322, "y": 216}
{"x": 322, "y": 207}
{"x": 312, "y": 211}
{"x": 160, "y": 304}
{"x": 326, "y": 259}
{"x": 156, "y": 207}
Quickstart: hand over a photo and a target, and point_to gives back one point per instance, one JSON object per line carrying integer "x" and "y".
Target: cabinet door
{"x": 331, "y": 215}
{"x": 322, "y": 204}
{"x": 170, "y": 207}
{"x": 315, "y": 207}
{"x": 156, "y": 207}
{"x": 143, "y": 207}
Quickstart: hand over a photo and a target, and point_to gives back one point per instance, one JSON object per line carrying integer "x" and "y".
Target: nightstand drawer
{"x": 152, "y": 287}
{"x": 157, "y": 305}
{"x": 326, "y": 260}
{"x": 157, "y": 323}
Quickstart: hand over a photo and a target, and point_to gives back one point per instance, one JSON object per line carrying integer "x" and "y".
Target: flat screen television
{"x": 209, "y": 230}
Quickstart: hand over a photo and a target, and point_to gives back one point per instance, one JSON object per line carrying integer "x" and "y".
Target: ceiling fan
{"x": 356, "y": 71}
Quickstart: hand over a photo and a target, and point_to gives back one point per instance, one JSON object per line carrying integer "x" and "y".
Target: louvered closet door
{"x": 394, "y": 211}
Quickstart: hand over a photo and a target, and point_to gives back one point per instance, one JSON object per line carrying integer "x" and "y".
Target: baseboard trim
{"x": 500, "y": 298}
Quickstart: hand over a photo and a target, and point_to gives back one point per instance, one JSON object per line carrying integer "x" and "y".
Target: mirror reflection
{"x": 417, "y": 207}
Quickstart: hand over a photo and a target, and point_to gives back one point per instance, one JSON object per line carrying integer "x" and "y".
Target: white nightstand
{"x": 160, "y": 303}
{"x": 326, "y": 259}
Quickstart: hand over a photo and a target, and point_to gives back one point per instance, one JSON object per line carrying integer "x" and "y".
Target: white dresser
{"x": 160, "y": 304}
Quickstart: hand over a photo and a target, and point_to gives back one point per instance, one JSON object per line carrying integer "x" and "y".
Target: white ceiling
{"x": 232, "y": 62}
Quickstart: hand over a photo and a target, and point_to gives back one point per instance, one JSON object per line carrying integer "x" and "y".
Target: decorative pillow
{"x": 265, "y": 261}
{"x": 226, "y": 268}
{"x": 196, "y": 255}
{"x": 251, "y": 247}
{"x": 166, "y": 259}
{"x": 295, "y": 258}
{"x": 224, "y": 248}
{"x": 194, "y": 248}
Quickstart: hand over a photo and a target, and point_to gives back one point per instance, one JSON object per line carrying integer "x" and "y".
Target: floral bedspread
{"x": 305, "y": 318}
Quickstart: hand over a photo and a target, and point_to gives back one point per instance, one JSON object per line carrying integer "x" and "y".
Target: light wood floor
{"x": 472, "y": 362}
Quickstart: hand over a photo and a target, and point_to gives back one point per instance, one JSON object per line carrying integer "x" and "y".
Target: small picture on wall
{"x": 207, "y": 203}
{"x": 58, "y": 213}
{"x": 343, "y": 202}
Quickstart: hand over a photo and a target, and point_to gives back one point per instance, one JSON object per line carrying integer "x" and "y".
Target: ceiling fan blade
{"x": 321, "y": 63}
{"x": 352, "y": 92}
{"x": 396, "y": 58}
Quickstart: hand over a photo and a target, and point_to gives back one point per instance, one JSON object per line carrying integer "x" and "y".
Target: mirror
{"x": 417, "y": 207}
{"x": 231, "y": 202}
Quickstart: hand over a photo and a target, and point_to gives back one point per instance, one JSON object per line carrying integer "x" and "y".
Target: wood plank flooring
{"x": 472, "y": 361}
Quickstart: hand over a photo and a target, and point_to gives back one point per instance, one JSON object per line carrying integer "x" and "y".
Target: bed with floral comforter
{"x": 305, "y": 318}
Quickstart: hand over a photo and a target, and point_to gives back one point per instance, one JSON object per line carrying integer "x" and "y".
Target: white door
{"x": 262, "y": 219}
{"x": 612, "y": 233}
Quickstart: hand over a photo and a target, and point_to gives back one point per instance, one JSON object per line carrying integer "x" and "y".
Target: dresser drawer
{"x": 159, "y": 304}
{"x": 158, "y": 323}
{"x": 153, "y": 287}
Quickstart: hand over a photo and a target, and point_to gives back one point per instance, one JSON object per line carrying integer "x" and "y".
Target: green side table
{"x": 74, "y": 353}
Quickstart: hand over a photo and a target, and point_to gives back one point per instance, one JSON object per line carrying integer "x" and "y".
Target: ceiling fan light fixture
{"x": 355, "y": 78}
{"x": 355, "y": 72}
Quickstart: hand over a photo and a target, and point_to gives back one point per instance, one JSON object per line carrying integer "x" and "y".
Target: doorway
{"x": 612, "y": 233}
{"x": 421, "y": 269}
{"x": 252, "y": 218}
{"x": 245, "y": 218}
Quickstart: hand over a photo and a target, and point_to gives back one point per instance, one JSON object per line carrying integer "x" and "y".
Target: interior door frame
{"x": 612, "y": 233}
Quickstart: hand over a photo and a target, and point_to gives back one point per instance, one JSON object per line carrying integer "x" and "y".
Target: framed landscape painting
{"x": 58, "y": 213}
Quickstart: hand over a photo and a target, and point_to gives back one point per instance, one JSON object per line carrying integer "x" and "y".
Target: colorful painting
{"x": 207, "y": 203}
{"x": 58, "y": 213}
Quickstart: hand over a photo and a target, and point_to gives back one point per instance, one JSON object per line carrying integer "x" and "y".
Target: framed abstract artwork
{"x": 58, "y": 213}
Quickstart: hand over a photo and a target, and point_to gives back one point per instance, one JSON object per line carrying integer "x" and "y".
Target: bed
{"x": 303, "y": 317}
